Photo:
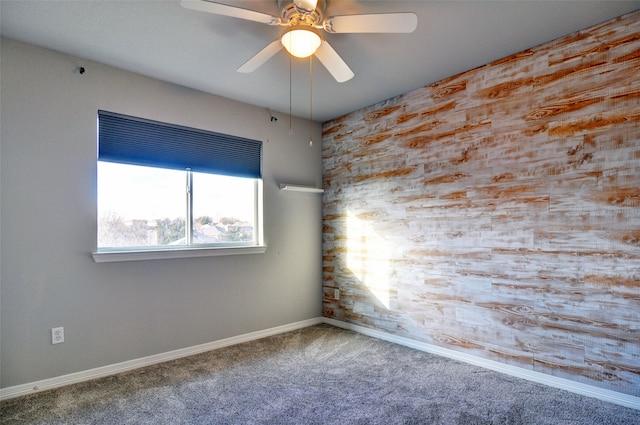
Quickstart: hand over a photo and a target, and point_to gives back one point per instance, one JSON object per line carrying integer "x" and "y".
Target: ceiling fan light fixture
{"x": 301, "y": 42}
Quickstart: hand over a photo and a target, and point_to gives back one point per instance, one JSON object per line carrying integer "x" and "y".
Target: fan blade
{"x": 380, "y": 23}
{"x": 333, "y": 62}
{"x": 234, "y": 12}
{"x": 261, "y": 57}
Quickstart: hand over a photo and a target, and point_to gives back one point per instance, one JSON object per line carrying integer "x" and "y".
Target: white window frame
{"x": 163, "y": 252}
{"x": 117, "y": 254}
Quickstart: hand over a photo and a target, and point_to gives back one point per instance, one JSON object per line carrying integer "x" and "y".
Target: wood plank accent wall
{"x": 497, "y": 212}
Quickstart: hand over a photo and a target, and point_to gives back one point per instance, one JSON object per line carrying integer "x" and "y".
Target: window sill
{"x": 113, "y": 256}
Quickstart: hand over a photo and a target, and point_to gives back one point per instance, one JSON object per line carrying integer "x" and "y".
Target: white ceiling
{"x": 163, "y": 40}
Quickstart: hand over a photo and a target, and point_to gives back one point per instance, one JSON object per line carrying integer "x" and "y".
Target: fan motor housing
{"x": 291, "y": 16}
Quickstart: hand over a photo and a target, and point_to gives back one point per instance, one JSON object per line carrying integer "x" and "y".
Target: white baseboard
{"x": 552, "y": 381}
{"x": 73, "y": 378}
{"x": 530, "y": 375}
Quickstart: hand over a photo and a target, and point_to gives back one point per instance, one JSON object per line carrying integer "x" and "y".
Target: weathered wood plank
{"x": 497, "y": 212}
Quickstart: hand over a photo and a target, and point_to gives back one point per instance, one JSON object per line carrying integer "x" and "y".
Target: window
{"x": 175, "y": 190}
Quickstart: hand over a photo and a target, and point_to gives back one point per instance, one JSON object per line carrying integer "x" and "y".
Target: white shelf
{"x": 298, "y": 188}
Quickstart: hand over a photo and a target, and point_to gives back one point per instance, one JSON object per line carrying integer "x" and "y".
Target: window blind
{"x": 138, "y": 141}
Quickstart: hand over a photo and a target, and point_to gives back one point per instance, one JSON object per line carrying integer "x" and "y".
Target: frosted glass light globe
{"x": 301, "y": 42}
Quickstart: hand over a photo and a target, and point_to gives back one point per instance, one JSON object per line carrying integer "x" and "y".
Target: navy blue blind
{"x": 138, "y": 141}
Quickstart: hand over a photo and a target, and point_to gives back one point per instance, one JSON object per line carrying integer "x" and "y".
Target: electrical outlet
{"x": 57, "y": 335}
{"x": 336, "y": 294}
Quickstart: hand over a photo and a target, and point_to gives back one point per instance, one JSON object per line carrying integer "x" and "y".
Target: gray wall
{"x": 113, "y": 312}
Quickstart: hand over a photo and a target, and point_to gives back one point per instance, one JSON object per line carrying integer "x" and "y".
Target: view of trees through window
{"x": 148, "y": 206}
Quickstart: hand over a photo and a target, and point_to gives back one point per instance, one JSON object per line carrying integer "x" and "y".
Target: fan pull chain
{"x": 290, "y": 126}
{"x": 311, "y": 101}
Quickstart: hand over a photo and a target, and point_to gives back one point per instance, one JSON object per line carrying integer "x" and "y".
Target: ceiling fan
{"x": 304, "y": 20}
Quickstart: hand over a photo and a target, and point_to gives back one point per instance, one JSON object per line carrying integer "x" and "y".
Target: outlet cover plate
{"x": 57, "y": 335}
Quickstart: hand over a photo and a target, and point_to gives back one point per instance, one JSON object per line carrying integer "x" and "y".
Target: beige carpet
{"x": 316, "y": 375}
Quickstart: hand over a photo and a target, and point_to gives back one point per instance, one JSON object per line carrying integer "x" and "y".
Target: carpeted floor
{"x": 316, "y": 375}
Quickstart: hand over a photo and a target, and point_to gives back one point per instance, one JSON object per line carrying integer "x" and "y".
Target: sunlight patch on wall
{"x": 368, "y": 257}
